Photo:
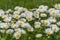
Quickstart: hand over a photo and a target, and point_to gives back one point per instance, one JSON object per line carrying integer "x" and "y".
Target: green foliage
{"x": 6, "y": 4}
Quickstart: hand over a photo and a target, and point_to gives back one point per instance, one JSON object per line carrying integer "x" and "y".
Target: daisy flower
{"x": 48, "y": 31}
{"x": 17, "y": 35}
{"x": 38, "y": 35}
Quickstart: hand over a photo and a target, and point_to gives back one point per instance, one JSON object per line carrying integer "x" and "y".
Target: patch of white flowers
{"x": 20, "y": 21}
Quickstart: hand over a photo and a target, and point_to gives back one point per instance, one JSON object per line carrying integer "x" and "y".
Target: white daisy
{"x": 4, "y": 16}
{"x": 22, "y": 15}
{"x": 17, "y": 30}
{"x": 9, "y": 11}
{"x": 48, "y": 31}
{"x": 14, "y": 26}
{"x": 19, "y": 22}
{"x": 57, "y": 6}
{"x": 42, "y": 8}
{"x": 54, "y": 27}
{"x": 29, "y": 15}
{"x": 8, "y": 19}
{"x": 23, "y": 31}
{"x": 43, "y": 15}
{"x": 38, "y": 35}
{"x": 4, "y": 26}
{"x": 16, "y": 12}
{"x": 51, "y": 9}
{"x": 37, "y": 24}
{"x": 54, "y": 13}
{"x": 16, "y": 16}
{"x": 9, "y": 31}
{"x": 17, "y": 35}
{"x": 16, "y": 8}
{"x": 30, "y": 29}
{"x": 52, "y": 20}
{"x": 1, "y": 12}
{"x": 46, "y": 22}
{"x": 58, "y": 23}
{"x": 26, "y": 25}
{"x": 36, "y": 15}
{"x": 23, "y": 19}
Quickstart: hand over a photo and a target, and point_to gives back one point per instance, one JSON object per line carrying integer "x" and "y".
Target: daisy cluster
{"x": 21, "y": 20}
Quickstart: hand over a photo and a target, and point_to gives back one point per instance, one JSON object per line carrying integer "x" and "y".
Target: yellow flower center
{"x": 18, "y": 35}
{"x": 4, "y": 27}
{"x": 28, "y": 18}
{"x": 53, "y": 12}
{"x": 38, "y": 10}
{"x": 4, "y": 16}
{"x": 16, "y": 16}
{"x": 37, "y": 26}
{"x": 46, "y": 23}
{"x": 35, "y": 15}
{"x": 17, "y": 8}
{"x": 48, "y": 32}
{"x": 7, "y": 20}
{"x": 19, "y": 22}
{"x": 14, "y": 26}
{"x": 16, "y": 12}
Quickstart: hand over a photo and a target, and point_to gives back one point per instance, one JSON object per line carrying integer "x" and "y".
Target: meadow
{"x": 29, "y": 4}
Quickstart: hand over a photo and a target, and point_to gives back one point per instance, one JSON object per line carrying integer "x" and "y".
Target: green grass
{"x": 6, "y": 4}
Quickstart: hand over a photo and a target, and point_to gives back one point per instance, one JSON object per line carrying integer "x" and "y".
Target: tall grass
{"x": 6, "y": 4}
